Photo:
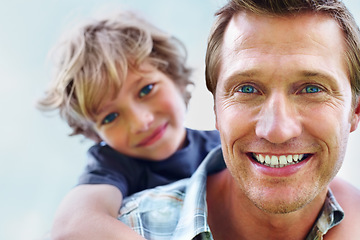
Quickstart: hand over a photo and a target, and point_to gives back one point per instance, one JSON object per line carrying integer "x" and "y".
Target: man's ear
{"x": 216, "y": 122}
{"x": 355, "y": 115}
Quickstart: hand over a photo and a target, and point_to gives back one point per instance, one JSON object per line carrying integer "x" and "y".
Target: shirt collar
{"x": 193, "y": 221}
{"x": 331, "y": 215}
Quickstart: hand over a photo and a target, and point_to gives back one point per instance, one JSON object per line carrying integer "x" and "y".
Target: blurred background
{"x": 39, "y": 163}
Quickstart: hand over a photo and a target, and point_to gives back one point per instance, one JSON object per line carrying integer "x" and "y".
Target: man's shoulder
{"x": 348, "y": 196}
{"x": 345, "y": 193}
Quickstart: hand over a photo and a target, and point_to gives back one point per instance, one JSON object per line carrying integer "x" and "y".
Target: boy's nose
{"x": 278, "y": 121}
{"x": 140, "y": 119}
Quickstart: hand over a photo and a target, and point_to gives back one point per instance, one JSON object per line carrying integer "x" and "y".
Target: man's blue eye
{"x": 146, "y": 90}
{"x": 109, "y": 118}
{"x": 311, "y": 89}
{"x": 247, "y": 89}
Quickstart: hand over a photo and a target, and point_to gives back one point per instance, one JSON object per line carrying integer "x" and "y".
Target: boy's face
{"x": 146, "y": 118}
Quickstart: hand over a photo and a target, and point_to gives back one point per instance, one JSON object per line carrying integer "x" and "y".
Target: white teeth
{"x": 282, "y": 160}
{"x": 274, "y": 160}
{"x": 261, "y": 158}
{"x": 267, "y": 159}
{"x": 278, "y": 161}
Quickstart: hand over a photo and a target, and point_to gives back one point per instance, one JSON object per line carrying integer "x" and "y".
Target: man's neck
{"x": 231, "y": 215}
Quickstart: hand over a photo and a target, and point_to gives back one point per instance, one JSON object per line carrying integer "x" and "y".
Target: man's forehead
{"x": 255, "y": 43}
{"x": 247, "y": 30}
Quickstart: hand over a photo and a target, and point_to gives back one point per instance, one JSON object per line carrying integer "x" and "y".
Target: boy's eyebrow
{"x": 102, "y": 109}
{"x": 137, "y": 81}
{"x": 133, "y": 85}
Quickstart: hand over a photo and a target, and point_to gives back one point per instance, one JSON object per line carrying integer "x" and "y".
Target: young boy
{"x": 122, "y": 82}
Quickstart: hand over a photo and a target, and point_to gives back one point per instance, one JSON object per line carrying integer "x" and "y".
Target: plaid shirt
{"x": 178, "y": 211}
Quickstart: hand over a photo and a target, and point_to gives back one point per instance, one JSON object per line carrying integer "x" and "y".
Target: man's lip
{"x": 281, "y": 171}
{"x": 154, "y": 137}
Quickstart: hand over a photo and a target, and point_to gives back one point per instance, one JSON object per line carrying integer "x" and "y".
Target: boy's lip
{"x": 153, "y": 137}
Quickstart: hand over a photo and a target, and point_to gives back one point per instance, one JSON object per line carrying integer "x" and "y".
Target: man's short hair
{"x": 333, "y": 8}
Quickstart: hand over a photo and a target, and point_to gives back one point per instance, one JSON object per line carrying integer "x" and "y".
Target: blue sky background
{"x": 39, "y": 163}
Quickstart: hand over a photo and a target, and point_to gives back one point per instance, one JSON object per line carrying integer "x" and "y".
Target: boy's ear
{"x": 355, "y": 116}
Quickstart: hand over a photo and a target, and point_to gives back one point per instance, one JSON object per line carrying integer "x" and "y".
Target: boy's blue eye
{"x": 311, "y": 89}
{"x": 109, "y": 118}
{"x": 247, "y": 89}
{"x": 146, "y": 90}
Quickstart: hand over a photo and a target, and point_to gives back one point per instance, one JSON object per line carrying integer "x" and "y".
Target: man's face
{"x": 283, "y": 107}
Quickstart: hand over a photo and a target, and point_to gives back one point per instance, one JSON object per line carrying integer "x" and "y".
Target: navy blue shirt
{"x": 131, "y": 175}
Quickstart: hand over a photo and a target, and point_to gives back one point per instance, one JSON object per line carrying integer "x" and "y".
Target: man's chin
{"x": 280, "y": 208}
{"x": 281, "y": 203}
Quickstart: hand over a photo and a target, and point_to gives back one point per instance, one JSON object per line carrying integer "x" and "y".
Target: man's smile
{"x": 278, "y": 161}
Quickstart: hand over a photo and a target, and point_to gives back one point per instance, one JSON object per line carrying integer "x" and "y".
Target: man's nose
{"x": 140, "y": 119}
{"x": 278, "y": 120}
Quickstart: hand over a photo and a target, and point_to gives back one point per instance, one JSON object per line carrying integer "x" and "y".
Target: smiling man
{"x": 286, "y": 99}
{"x": 292, "y": 92}
{"x": 285, "y": 80}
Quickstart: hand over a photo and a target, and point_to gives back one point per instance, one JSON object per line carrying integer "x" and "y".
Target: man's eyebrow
{"x": 318, "y": 75}
{"x": 234, "y": 77}
{"x": 307, "y": 73}
{"x": 257, "y": 73}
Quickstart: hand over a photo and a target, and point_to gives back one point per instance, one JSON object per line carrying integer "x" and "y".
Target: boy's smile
{"x": 154, "y": 136}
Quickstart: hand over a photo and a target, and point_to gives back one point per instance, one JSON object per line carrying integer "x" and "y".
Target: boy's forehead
{"x": 146, "y": 66}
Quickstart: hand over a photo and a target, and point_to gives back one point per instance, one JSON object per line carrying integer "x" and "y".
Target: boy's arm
{"x": 90, "y": 212}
